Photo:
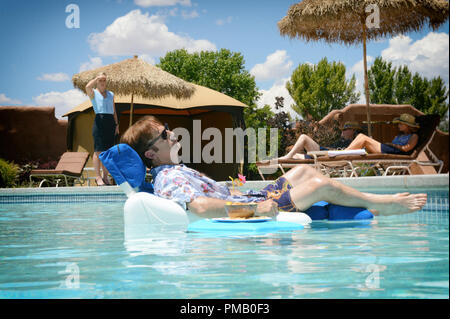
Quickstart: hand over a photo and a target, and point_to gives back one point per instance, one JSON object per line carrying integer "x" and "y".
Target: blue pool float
{"x": 323, "y": 210}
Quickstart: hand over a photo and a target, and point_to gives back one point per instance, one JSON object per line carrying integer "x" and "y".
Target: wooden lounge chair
{"x": 326, "y": 164}
{"x": 381, "y": 164}
{"x": 70, "y": 167}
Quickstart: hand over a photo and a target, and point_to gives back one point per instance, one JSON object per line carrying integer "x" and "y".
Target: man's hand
{"x": 267, "y": 208}
{"x": 235, "y": 192}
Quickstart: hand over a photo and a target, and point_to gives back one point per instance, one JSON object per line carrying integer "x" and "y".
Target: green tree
{"x": 319, "y": 89}
{"x": 438, "y": 94}
{"x": 381, "y": 82}
{"x": 388, "y": 85}
{"x": 402, "y": 85}
{"x": 222, "y": 71}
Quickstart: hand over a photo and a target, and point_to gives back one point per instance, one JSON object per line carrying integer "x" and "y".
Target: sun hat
{"x": 352, "y": 125}
{"x": 407, "y": 119}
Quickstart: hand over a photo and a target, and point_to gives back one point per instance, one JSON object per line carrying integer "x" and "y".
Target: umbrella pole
{"x": 131, "y": 110}
{"x": 366, "y": 82}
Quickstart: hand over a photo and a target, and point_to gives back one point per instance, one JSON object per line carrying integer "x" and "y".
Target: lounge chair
{"x": 392, "y": 163}
{"x": 381, "y": 164}
{"x": 326, "y": 164}
{"x": 70, "y": 167}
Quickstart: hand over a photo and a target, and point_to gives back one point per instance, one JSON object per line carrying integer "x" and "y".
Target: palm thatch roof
{"x": 137, "y": 77}
{"x": 203, "y": 97}
{"x": 341, "y": 21}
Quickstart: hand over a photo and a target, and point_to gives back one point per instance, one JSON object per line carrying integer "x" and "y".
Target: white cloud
{"x": 137, "y": 33}
{"x": 54, "y": 77}
{"x": 93, "y": 63}
{"x": 175, "y": 11}
{"x": 8, "y": 101}
{"x": 172, "y": 12}
{"x": 147, "y": 59}
{"x": 62, "y": 101}
{"x": 358, "y": 68}
{"x": 278, "y": 89}
{"x": 189, "y": 15}
{"x": 428, "y": 56}
{"x": 161, "y": 3}
{"x": 275, "y": 67}
{"x": 228, "y": 19}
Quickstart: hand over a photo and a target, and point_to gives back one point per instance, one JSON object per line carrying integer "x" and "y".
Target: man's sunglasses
{"x": 163, "y": 135}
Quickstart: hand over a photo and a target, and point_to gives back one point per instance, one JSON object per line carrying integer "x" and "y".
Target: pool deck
{"x": 407, "y": 182}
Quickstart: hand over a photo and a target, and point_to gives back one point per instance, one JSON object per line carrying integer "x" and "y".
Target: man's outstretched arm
{"x": 209, "y": 207}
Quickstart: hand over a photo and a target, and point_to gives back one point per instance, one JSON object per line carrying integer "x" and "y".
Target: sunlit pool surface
{"x": 77, "y": 250}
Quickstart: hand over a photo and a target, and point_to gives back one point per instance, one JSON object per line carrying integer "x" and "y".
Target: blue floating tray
{"x": 271, "y": 226}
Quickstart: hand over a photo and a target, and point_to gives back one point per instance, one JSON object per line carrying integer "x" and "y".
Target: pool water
{"x": 77, "y": 250}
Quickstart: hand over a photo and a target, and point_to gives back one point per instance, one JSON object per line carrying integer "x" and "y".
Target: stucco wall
{"x": 31, "y": 133}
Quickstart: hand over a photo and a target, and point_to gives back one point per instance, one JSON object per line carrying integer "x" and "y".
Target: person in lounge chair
{"x": 306, "y": 143}
{"x": 297, "y": 190}
{"x": 404, "y": 143}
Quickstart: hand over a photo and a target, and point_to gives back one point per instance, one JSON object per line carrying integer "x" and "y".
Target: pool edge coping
{"x": 405, "y": 182}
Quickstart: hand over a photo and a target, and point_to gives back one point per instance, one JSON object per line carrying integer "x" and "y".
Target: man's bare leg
{"x": 310, "y": 186}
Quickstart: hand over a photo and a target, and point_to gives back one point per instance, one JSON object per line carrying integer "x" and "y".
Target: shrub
{"x": 23, "y": 176}
{"x": 324, "y": 135}
{"x": 8, "y": 173}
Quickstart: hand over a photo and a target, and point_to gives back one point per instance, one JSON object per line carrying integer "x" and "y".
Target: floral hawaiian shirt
{"x": 183, "y": 184}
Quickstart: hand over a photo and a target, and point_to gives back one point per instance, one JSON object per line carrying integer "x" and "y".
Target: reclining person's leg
{"x": 304, "y": 142}
{"x": 363, "y": 141}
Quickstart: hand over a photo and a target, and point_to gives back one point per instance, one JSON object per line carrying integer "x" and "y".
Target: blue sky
{"x": 40, "y": 53}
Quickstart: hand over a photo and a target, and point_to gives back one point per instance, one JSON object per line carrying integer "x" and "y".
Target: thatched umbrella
{"x": 136, "y": 77}
{"x": 346, "y": 21}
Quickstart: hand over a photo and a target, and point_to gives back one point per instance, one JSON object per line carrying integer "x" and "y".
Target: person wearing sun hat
{"x": 349, "y": 131}
{"x": 404, "y": 143}
{"x": 306, "y": 143}
{"x": 407, "y": 119}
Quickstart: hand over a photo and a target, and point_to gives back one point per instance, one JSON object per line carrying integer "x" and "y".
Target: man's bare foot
{"x": 401, "y": 203}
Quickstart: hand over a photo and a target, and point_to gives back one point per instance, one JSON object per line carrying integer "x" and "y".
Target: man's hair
{"x": 139, "y": 134}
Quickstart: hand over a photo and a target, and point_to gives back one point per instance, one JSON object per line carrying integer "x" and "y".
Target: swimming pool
{"x": 69, "y": 243}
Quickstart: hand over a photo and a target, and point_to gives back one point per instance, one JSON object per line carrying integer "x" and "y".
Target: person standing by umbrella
{"x": 131, "y": 77}
{"x": 105, "y": 123}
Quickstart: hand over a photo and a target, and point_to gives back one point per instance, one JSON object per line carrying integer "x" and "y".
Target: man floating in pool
{"x": 297, "y": 190}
